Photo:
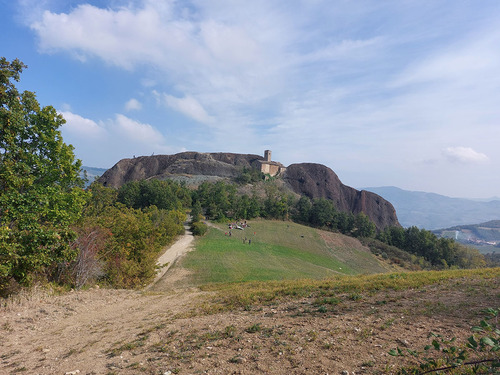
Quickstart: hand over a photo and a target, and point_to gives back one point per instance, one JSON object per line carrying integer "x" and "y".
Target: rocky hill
{"x": 190, "y": 164}
{"x": 319, "y": 181}
{"x": 312, "y": 180}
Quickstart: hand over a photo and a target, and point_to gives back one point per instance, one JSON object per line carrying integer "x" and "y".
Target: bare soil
{"x": 162, "y": 331}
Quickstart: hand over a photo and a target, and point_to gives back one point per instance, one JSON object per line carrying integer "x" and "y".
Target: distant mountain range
{"x": 433, "y": 211}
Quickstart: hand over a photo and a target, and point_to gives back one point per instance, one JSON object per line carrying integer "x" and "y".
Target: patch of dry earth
{"x": 125, "y": 332}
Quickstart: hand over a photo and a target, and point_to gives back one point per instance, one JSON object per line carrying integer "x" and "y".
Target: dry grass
{"x": 26, "y": 297}
{"x": 237, "y": 295}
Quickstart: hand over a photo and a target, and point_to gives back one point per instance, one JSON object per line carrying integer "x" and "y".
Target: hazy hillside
{"x": 485, "y": 236}
{"x": 434, "y": 211}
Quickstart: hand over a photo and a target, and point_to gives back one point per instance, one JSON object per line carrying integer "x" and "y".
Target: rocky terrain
{"x": 312, "y": 180}
{"x": 319, "y": 181}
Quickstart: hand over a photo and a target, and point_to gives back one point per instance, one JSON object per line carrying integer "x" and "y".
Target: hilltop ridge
{"x": 309, "y": 179}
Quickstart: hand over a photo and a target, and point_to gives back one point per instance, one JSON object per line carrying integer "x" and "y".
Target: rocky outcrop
{"x": 312, "y": 180}
{"x": 318, "y": 181}
{"x": 185, "y": 163}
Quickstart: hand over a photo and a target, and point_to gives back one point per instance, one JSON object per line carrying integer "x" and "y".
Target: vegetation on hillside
{"x": 41, "y": 192}
{"x": 120, "y": 244}
{"x": 267, "y": 250}
{"x": 440, "y": 252}
{"x": 420, "y": 248}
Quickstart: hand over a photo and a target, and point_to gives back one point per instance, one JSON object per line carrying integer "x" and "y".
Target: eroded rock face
{"x": 319, "y": 181}
{"x": 190, "y": 163}
{"x": 312, "y": 180}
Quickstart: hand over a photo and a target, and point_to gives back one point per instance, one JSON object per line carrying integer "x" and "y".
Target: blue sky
{"x": 402, "y": 93}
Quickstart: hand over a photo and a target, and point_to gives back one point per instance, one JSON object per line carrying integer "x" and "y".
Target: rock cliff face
{"x": 312, "y": 180}
{"x": 185, "y": 163}
{"x": 318, "y": 181}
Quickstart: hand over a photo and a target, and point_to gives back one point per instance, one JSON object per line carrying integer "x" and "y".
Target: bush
{"x": 87, "y": 268}
{"x": 137, "y": 238}
{"x": 396, "y": 255}
{"x": 118, "y": 243}
{"x": 198, "y": 228}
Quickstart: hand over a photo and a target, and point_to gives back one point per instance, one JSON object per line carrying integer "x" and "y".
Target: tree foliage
{"x": 249, "y": 175}
{"x": 166, "y": 195}
{"x": 440, "y": 252}
{"x": 118, "y": 244}
{"x": 40, "y": 189}
{"x": 321, "y": 213}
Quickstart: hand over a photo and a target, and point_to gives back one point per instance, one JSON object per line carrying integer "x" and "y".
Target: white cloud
{"x": 189, "y": 106}
{"x": 103, "y": 143}
{"x": 229, "y": 44}
{"x": 464, "y": 155}
{"x": 82, "y": 127}
{"x": 133, "y": 105}
{"x": 121, "y": 127}
{"x": 136, "y": 131}
{"x": 215, "y": 56}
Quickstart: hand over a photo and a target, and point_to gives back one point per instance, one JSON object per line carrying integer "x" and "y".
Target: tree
{"x": 196, "y": 212}
{"x": 322, "y": 212}
{"x": 364, "y": 227}
{"x": 41, "y": 192}
{"x": 302, "y": 210}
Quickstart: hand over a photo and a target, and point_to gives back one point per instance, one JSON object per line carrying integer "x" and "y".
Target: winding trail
{"x": 172, "y": 254}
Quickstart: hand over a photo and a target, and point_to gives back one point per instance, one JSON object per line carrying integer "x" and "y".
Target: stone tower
{"x": 267, "y": 155}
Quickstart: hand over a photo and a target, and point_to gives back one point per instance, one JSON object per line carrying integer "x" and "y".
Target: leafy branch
{"x": 478, "y": 355}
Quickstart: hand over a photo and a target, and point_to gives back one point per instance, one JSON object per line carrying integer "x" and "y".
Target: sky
{"x": 385, "y": 93}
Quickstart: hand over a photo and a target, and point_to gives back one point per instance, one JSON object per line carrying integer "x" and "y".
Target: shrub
{"x": 198, "y": 228}
{"x": 87, "y": 268}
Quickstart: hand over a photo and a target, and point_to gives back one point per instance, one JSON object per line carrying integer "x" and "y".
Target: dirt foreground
{"x": 161, "y": 331}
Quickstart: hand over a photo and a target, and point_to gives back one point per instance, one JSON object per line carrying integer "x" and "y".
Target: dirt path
{"x": 169, "y": 258}
{"x": 80, "y": 332}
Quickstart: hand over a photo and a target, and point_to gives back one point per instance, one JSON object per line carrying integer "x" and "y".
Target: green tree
{"x": 345, "y": 222}
{"x": 322, "y": 212}
{"x": 302, "y": 210}
{"x": 364, "y": 227}
{"x": 167, "y": 195}
{"x": 196, "y": 212}
{"x": 41, "y": 192}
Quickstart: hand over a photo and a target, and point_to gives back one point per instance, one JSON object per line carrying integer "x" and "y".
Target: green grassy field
{"x": 278, "y": 251}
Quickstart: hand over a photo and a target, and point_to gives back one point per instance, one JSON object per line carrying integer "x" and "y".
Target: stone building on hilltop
{"x": 272, "y": 168}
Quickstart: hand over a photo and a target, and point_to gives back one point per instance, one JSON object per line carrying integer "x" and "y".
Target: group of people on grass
{"x": 241, "y": 226}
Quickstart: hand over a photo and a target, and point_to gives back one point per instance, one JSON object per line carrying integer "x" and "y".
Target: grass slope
{"x": 278, "y": 251}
